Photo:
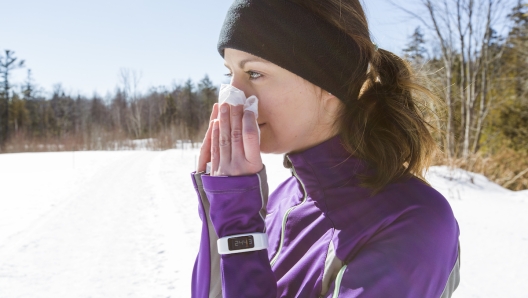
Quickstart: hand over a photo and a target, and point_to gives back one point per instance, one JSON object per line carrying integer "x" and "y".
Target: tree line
{"x": 62, "y": 121}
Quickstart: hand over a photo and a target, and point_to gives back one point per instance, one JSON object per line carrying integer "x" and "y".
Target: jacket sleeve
{"x": 206, "y": 273}
{"x": 237, "y": 205}
{"x": 416, "y": 256}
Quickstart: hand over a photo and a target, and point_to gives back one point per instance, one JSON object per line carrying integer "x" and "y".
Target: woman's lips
{"x": 261, "y": 124}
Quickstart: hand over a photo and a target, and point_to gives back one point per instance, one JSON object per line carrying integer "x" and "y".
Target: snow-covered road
{"x": 125, "y": 224}
{"x": 120, "y": 228}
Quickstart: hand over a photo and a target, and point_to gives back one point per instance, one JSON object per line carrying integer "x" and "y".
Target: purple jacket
{"x": 328, "y": 237}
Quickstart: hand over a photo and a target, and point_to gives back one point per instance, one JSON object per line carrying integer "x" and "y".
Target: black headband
{"x": 293, "y": 38}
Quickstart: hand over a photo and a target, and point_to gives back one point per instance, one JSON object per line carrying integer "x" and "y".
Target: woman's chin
{"x": 268, "y": 147}
{"x": 265, "y": 146}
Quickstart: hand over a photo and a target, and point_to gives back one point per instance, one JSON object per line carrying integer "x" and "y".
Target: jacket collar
{"x": 325, "y": 165}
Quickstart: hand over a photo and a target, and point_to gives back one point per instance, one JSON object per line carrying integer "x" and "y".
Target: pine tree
{"x": 28, "y": 86}
{"x": 415, "y": 50}
{"x": 7, "y": 64}
{"x": 208, "y": 97}
{"x": 192, "y": 109}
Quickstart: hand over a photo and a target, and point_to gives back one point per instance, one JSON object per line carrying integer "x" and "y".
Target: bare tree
{"x": 438, "y": 22}
{"x": 130, "y": 80}
{"x": 475, "y": 21}
{"x": 464, "y": 30}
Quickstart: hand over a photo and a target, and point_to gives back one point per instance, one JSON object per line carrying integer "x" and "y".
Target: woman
{"x": 356, "y": 219}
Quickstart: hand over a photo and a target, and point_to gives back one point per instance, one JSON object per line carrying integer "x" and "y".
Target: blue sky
{"x": 84, "y": 44}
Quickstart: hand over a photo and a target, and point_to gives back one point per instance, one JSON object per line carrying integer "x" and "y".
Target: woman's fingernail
{"x": 223, "y": 109}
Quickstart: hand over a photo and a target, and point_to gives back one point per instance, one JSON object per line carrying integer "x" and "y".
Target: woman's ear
{"x": 327, "y": 95}
{"x": 330, "y": 103}
{"x": 329, "y": 100}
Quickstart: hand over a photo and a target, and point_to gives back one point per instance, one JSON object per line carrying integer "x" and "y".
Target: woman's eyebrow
{"x": 243, "y": 62}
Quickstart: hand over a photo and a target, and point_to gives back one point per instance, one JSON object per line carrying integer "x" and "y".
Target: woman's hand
{"x": 205, "y": 150}
{"x": 231, "y": 142}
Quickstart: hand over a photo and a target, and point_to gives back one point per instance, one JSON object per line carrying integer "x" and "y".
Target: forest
{"x": 479, "y": 75}
{"x": 64, "y": 122}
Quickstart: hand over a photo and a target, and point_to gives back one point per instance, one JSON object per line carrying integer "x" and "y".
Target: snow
{"x": 125, "y": 224}
{"x": 494, "y": 233}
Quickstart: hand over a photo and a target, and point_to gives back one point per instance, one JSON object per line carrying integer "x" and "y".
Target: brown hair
{"x": 381, "y": 120}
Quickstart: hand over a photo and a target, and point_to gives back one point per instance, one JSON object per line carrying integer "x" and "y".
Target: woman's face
{"x": 294, "y": 114}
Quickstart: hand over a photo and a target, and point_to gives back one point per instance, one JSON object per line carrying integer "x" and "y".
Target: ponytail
{"x": 384, "y": 126}
{"x": 381, "y": 120}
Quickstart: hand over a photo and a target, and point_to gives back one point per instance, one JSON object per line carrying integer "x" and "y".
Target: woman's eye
{"x": 253, "y": 75}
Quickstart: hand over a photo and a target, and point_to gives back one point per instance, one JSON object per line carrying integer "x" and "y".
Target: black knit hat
{"x": 293, "y": 38}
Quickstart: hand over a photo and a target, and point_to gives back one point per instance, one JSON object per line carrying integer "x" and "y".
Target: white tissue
{"x": 235, "y": 97}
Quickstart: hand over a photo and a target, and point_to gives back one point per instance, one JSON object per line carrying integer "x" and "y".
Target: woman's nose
{"x": 238, "y": 82}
